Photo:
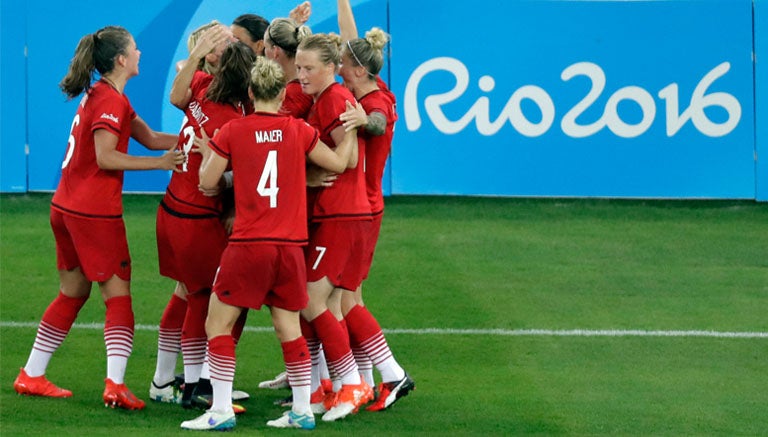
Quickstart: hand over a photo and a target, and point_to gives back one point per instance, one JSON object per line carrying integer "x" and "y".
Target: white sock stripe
{"x": 360, "y": 355}
{"x": 297, "y": 365}
{"x": 299, "y": 373}
{"x": 172, "y": 348}
{"x": 48, "y": 350}
{"x": 194, "y": 346}
{"x": 344, "y": 365}
{"x": 299, "y": 382}
{"x": 225, "y": 377}
{"x": 221, "y": 368}
{"x": 118, "y": 334}
{"x": 118, "y": 340}
{"x": 377, "y": 348}
{"x": 122, "y": 349}
{"x": 374, "y": 339}
{"x": 221, "y": 362}
{"x": 43, "y": 341}
{"x": 51, "y": 330}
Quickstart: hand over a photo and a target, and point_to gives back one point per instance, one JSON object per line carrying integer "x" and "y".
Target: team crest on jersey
{"x": 110, "y": 117}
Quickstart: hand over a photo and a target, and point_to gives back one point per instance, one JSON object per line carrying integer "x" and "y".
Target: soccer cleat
{"x": 204, "y": 388}
{"x": 390, "y": 392}
{"x": 317, "y": 400}
{"x": 118, "y": 396}
{"x": 239, "y": 396}
{"x": 204, "y": 402}
{"x": 348, "y": 400}
{"x": 213, "y": 421}
{"x": 292, "y": 420}
{"x": 327, "y": 385}
{"x": 167, "y": 393}
{"x": 329, "y": 400}
{"x": 38, "y": 386}
{"x": 278, "y": 382}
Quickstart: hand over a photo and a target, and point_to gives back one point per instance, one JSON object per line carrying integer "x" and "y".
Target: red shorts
{"x": 370, "y": 243}
{"x": 189, "y": 248}
{"x": 252, "y": 275}
{"x": 98, "y": 246}
{"x": 337, "y": 249}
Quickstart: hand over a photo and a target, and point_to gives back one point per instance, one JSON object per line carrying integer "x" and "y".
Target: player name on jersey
{"x": 269, "y": 136}
{"x": 197, "y": 112}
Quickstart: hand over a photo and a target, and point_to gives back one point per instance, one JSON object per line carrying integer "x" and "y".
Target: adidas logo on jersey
{"x": 110, "y": 117}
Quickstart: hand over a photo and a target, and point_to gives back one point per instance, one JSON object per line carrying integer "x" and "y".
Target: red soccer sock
{"x": 221, "y": 359}
{"x": 335, "y": 344}
{"x": 299, "y": 369}
{"x": 366, "y": 331}
{"x": 53, "y": 329}
{"x": 193, "y": 338}
{"x": 297, "y": 363}
{"x": 118, "y": 336}
{"x": 170, "y": 325}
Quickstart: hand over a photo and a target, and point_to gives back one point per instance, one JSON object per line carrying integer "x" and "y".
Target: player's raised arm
{"x": 347, "y": 26}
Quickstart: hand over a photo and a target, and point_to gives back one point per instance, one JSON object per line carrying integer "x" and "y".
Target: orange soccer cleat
{"x": 118, "y": 396}
{"x": 38, "y": 386}
{"x": 390, "y": 392}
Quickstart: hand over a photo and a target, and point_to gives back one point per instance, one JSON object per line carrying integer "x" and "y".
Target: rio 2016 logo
{"x": 610, "y": 118}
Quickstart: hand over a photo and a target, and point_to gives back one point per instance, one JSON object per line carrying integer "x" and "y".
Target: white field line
{"x": 496, "y": 332}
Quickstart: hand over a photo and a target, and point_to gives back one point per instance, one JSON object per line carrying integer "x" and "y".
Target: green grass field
{"x": 480, "y": 299}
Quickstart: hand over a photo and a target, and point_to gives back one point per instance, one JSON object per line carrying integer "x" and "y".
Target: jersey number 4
{"x": 268, "y": 182}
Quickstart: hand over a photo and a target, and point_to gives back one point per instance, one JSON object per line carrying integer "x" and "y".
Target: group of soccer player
{"x": 275, "y": 200}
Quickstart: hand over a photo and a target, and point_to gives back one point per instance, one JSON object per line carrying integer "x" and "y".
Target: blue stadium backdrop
{"x": 652, "y": 99}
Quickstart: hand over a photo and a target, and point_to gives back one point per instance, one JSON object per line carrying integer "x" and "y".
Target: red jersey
{"x": 267, "y": 152}
{"x": 296, "y": 102}
{"x": 383, "y": 87}
{"x": 346, "y": 199}
{"x": 84, "y": 188}
{"x": 377, "y": 147}
{"x": 183, "y": 194}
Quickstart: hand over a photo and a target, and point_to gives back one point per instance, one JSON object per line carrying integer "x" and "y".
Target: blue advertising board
{"x": 575, "y": 98}
{"x": 13, "y": 110}
{"x": 761, "y": 99}
{"x": 641, "y": 98}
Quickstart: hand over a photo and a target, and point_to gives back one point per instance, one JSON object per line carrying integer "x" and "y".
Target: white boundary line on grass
{"x": 498, "y": 332}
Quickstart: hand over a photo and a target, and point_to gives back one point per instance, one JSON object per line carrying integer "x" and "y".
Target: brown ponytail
{"x": 94, "y": 52}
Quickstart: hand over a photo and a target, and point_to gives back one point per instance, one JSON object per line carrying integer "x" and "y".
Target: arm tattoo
{"x": 377, "y": 123}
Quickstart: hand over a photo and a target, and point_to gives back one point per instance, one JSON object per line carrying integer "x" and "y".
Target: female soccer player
{"x": 263, "y": 263}
{"x": 250, "y": 28}
{"x": 86, "y": 211}
{"x": 362, "y": 60}
{"x": 281, "y": 40}
{"x": 340, "y": 222}
{"x": 190, "y": 234}
{"x": 203, "y": 44}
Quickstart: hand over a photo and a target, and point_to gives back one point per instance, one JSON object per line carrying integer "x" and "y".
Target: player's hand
{"x": 172, "y": 159}
{"x": 212, "y": 192}
{"x": 201, "y": 144}
{"x": 320, "y": 177}
{"x": 209, "y": 40}
{"x": 300, "y": 14}
{"x": 354, "y": 117}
